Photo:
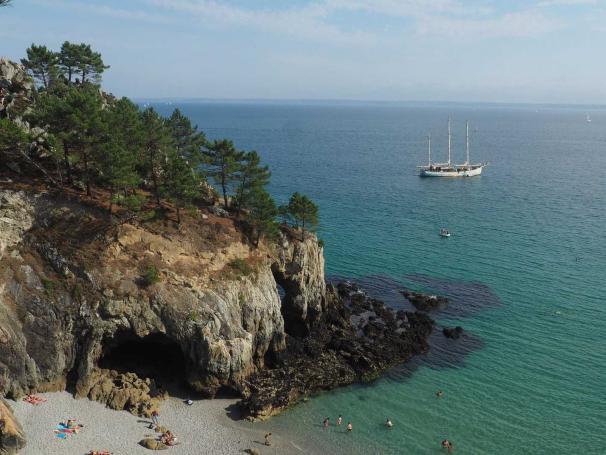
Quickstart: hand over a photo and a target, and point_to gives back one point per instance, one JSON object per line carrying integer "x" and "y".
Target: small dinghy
{"x": 444, "y": 232}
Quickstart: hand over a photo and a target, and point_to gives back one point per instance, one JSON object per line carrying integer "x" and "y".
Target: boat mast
{"x": 448, "y": 141}
{"x": 467, "y": 141}
{"x": 429, "y": 143}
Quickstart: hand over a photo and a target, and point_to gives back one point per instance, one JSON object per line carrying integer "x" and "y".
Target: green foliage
{"x": 180, "y": 181}
{"x": 156, "y": 143}
{"x": 262, "y": 215}
{"x": 186, "y": 139}
{"x": 150, "y": 276}
{"x": 240, "y": 266}
{"x": 41, "y": 62}
{"x": 82, "y": 60}
{"x": 12, "y": 136}
{"x": 193, "y": 316}
{"x": 49, "y": 286}
{"x": 300, "y": 211}
{"x": 252, "y": 178}
{"x": 223, "y": 160}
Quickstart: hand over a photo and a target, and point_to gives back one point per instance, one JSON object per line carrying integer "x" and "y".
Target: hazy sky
{"x": 453, "y": 50}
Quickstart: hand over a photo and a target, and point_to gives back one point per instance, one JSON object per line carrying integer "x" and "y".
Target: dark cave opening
{"x": 154, "y": 356}
{"x": 288, "y": 290}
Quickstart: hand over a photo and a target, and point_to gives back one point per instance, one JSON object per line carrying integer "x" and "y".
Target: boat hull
{"x": 451, "y": 173}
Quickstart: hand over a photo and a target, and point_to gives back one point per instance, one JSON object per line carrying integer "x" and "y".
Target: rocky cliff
{"x": 74, "y": 287}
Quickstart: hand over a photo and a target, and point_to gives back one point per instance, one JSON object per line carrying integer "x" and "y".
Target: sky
{"x": 529, "y": 51}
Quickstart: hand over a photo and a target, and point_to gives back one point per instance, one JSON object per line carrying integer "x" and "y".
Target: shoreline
{"x": 204, "y": 427}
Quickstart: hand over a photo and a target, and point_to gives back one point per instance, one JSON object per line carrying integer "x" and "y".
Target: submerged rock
{"x": 425, "y": 302}
{"x": 453, "y": 332}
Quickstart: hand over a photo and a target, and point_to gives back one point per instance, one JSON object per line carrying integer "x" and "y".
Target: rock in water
{"x": 453, "y": 332}
{"x": 425, "y": 302}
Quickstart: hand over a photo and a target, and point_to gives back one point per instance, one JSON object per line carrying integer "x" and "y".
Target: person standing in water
{"x": 349, "y": 427}
{"x": 340, "y": 420}
{"x": 268, "y": 439}
{"x": 388, "y": 423}
{"x": 326, "y": 423}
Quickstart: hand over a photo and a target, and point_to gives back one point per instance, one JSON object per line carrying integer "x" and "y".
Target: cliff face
{"x": 73, "y": 287}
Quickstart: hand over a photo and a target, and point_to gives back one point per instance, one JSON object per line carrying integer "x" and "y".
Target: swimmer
{"x": 349, "y": 427}
{"x": 446, "y": 444}
{"x": 439, "y": 394}
{"x": 340, "y": 420}
{"x": 388, "y": 424}
{"x": 326, "y": 423}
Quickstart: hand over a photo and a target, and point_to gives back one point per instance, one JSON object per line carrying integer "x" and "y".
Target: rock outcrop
{"x": 355, "y": 339}
{"x": 12, "y": 438}
{"x": 70, "y": 288}
{"x": 16, "y": 89}
{"x": 425, "y": 302}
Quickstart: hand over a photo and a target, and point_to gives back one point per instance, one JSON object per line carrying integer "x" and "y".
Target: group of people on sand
{"x": 167, "y": 437}
{"x": 34, "y": 399}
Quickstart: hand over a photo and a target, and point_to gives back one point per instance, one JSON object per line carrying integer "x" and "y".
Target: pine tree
{"x": 156, "y": 143}
{"x": 302, "y": 211}
{"x": 117, "y": 154}
{"x": 252, "y": 177}
{"x": 180, "y": 181}
{"x": 223, "y": 160}
{"x": 42, "y": 64}
{"x": 187, "y": 140}
{"x": 262, "y": 214}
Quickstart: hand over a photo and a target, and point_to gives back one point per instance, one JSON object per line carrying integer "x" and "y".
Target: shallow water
{"x": 525, "y": 267}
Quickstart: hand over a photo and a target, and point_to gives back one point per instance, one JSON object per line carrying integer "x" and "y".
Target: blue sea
{"x": 525, "y": 268}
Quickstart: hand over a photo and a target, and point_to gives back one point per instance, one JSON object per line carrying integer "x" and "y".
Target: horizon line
{"x": 359, "y": 101}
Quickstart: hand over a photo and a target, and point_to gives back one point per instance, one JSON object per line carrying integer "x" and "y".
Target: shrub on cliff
{"x": 150, "y": 276}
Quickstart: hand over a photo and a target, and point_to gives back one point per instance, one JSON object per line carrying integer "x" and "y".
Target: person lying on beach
{"x": 169, "y": 438}
{"x": 34, "y": 399}
{"x": 99, "y": 452}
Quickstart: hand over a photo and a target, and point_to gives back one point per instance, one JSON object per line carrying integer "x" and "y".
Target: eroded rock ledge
{"x": 356, "y": 339}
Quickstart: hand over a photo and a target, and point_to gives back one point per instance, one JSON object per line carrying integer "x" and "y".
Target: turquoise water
{"x": 525, "y": 267}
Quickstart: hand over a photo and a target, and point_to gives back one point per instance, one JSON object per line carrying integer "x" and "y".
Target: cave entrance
{"x": 292, "y": 312}
{"x": 154, "y": 356}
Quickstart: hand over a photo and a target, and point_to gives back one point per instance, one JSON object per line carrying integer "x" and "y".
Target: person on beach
{"x": 326, "y": 423}
{"x": 439, "y": 394}
{"x": 446, "y": 444}
{"x": 388, "y": 424}
{"x": 349, "y": 427}
{"x": 268, "y": 439}
{"x": 154, "y": 416}
{"x": 339, "y": 420}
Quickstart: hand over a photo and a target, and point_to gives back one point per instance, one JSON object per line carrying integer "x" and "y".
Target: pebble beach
{"x": 204, "y": 427}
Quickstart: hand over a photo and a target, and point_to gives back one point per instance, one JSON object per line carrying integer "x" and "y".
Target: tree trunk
{"x": 68, "y": 169}
{"x": 111, "y": 199}
{"x": 87, "y": 176}
{"x": 224, "y": 191}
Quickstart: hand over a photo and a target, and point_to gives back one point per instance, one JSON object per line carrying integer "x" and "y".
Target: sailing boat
{"x": 467, "y": 169}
